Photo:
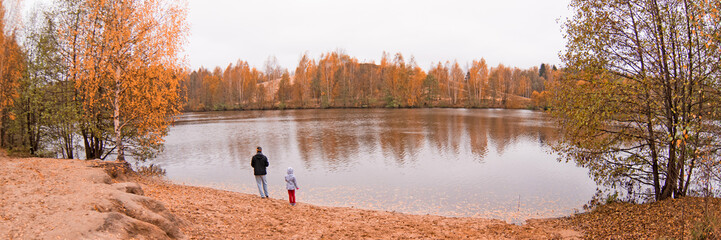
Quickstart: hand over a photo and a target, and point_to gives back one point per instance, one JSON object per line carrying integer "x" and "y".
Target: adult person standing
{"x": 259, "y": 163}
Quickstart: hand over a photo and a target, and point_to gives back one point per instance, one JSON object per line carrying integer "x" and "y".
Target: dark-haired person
{"x": 259, "y": 163}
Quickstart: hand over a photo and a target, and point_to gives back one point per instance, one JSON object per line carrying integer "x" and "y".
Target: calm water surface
{"x": 451, "y": 162}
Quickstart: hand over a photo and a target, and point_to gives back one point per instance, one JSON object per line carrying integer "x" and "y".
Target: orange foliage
{"x": 129, "y": 64}
{"x": 415, "y": 85}
{"x": 303, "y": 74}
{"x": 456, "y": 80}
{"x": 540, "y": 100}
{"x": 339, "y": 80}
{"x": 441, "y": 74}
{"x": 477, "y": 81}
{"x": 12, "y": 67}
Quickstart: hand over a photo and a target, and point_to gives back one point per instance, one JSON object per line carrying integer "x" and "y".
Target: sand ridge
{"x": 68, "y": 199}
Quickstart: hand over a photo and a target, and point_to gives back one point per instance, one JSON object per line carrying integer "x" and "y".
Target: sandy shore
{"x": 217, "y": 214}
{"x": 75, "y": 199}
{"x": 70, "y": 199}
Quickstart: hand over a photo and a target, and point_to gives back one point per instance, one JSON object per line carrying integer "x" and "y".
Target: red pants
{"x": 291, "y": 196}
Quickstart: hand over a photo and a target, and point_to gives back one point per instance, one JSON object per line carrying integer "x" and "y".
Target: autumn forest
{"x": 337, "y": 80}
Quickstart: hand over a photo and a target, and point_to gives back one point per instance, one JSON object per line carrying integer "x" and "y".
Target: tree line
{"x": 337, "y": 80}
{"x": 101, "y": 76}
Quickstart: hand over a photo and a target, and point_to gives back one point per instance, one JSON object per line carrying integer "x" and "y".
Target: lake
{"x": 488, "y": 163}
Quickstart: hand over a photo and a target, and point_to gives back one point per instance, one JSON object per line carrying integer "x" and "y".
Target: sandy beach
{"x": 217, "y": 214}
{"x": 70, "y": 199}
{"x": 76, "y": 199}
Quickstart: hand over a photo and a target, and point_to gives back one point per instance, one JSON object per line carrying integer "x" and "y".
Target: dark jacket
{"x": 259, "y": 162}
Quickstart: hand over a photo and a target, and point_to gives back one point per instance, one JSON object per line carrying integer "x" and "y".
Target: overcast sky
{"x": 520, "y": 33}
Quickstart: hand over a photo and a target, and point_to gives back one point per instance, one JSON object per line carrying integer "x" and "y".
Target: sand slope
{"x": 66, "y": 199}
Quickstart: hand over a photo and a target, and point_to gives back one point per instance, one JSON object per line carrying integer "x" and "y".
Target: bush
{"x": 601, "y": 198}
{"x": 152, "y": 170}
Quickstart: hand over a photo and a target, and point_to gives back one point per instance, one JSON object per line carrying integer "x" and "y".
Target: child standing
{"x": 291, "y": 185}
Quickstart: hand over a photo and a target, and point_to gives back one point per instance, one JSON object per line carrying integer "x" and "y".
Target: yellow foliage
{"x": 128, "y": 63}
{"x": 12, "y": 67}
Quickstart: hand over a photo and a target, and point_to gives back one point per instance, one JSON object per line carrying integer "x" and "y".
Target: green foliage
{"x": 220, "y": 107}
{"x": 430, "y": 89}
{"x": 315, "y": 86}
{"x": 392, "y": 103}
{"x": 325, "y": 102}
{"x": 46, "y": 111}
{"x": 601, "y": 198}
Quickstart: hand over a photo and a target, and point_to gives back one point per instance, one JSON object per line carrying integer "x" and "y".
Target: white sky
{"x": 522, "y": 33}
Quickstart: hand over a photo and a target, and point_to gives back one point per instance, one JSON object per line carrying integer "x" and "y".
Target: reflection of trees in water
{"x": 335, "y": 146}
{"x": 401, "y": 135}
{"x": 478, "y": 133}
{"x": 455, "y": 132}
{"x": 306, "y": 146}
{"x": 547, "y": 136}
{"x": 402, "y": 138}
{"x": 449, "y": 129}
{"x": 501, "y": 134}
{"x": 439, "y": 132}
{"x": 331, "y": 145}
{"x": 507, "y": 130}
{"x": 448, "y": 132}
{"x": 238, "y": 151}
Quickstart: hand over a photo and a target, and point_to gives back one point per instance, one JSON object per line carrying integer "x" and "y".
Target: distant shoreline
{"x": 320, "y": 108}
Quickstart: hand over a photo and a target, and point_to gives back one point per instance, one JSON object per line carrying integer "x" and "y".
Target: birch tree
{"x": 639, "y": 100}
{"x": 127, "y": 68}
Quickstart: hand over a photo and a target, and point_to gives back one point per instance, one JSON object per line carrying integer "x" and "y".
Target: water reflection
{"x": 453, "y": 162}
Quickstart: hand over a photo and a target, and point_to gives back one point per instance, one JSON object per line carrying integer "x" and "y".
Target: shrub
{"x": 152, "y": 170}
